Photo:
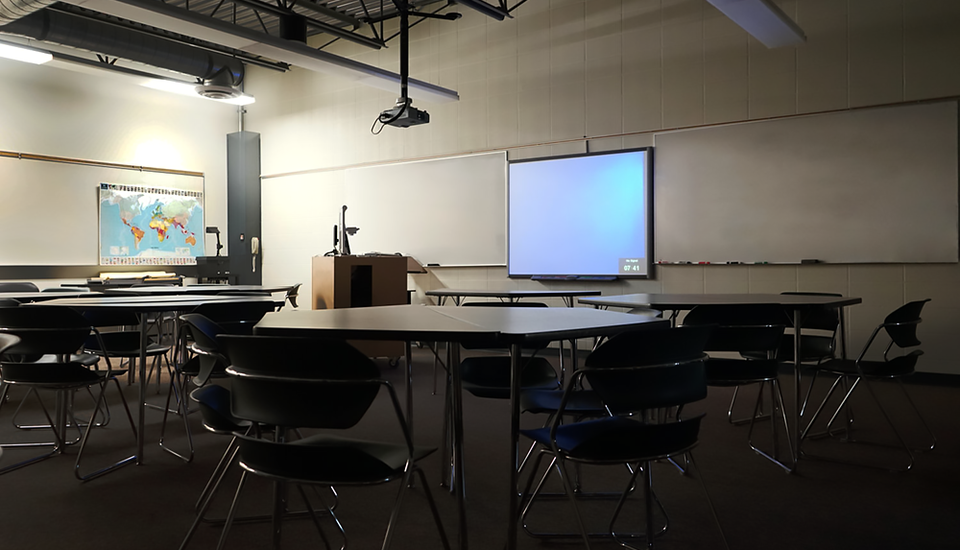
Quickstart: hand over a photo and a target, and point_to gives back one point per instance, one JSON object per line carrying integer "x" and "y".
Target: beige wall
{"x": 52, "y": 111}
{"x": 613, "y": 72}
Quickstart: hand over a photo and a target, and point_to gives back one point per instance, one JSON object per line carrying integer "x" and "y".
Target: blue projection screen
{"x": 585, "y": 215}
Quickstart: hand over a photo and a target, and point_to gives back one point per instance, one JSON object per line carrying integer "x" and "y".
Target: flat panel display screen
{"x": 580, "y": 216}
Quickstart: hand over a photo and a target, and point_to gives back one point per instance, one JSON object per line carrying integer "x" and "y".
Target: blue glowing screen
{"x": 584, "y": 215}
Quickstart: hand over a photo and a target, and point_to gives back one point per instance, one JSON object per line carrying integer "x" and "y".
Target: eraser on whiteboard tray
{"x": 810, "y": 261}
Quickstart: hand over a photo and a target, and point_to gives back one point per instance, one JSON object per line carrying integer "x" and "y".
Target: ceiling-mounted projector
{"x": 404, "y": 115}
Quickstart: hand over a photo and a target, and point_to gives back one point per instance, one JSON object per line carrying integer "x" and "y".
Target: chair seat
{"x": 85, "y": 359}
{"x": 54, "y": 375}
{"x": 490, "y": 376}
{"x": 328, "y": 460}
{"x": 733, "y": 372}
{"x": 621, "y": 439}
{"x": 812, "y": 348}
{"x": 122, "y": 344}
{"x": 583, "y": 403}
{"x": 894, "y": 368}
{"x": 214, "y": 403}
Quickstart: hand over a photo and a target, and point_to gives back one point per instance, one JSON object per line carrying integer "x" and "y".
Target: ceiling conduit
{"x": 11, "y": 10}
{"x": 220, "y": 73}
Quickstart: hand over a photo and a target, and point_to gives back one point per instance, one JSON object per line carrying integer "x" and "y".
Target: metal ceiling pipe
{"x": 104, "y": 38}
{"x": 11, "y": 10}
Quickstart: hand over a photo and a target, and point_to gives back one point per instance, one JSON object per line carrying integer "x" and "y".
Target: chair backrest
{"x": 818, "y": 318}
{"x": 9, "y": 302}
{"x": 304, "y": 382}
{"x": 203, "y": 330}
{"x": 740, "y": 328}
{"x": 902, "y": 323}
{"x": 25, "y": 286}
{"x": 650, "y": 368}
{"x": 292, "y": 294}
{"x": 235, "y": 318}
{"x": 7, "y": 341}
{"x": 111, "y": 317}
{"x": 494, "y": 345}
{"x": 44, "y": 329}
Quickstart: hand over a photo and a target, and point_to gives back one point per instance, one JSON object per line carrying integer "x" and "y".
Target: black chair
{"x": 300, "y": 383}
{"x": 755, "y": 330}
{"x": 236, "y": 318}
{"x": 199, "y": 362}
{"x": 644, "y": 378}
{"x": 19, "y": 287}
{"x": 818, "y": 341}
{"x": 199, "y": 358}
{"x": 489, "y": 375}
{"x": 120, "y": 339}
{"x": 57, "y": 332}
{"x": 901, "y": 327}
{"x": 292, "y": 294}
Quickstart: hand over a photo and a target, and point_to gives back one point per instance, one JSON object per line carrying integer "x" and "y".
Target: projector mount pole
{"x": 404, "y": 10}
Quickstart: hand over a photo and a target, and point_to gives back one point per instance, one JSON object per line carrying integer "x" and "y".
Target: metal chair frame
{"x": 860, "y": 375}
{"x": 663, "y": 414}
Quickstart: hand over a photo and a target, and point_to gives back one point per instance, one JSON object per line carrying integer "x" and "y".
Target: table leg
{"x": 514, "y": 505}
{"x": 795, "y": 434}
{"x": 458, "y": 483}
{"x": 142, "y": 390}
{"x": 408, "y": 360}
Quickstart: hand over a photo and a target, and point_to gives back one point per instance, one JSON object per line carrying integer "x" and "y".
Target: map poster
{"x": 149, "y": 225}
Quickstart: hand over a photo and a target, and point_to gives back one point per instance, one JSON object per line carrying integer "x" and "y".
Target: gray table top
{"x": 195, "y": 289}
{"x": 511, "y": 293}
{"x": 689, "y": 301}
{"x": 153, "y": 303}
{"x": 415, "y": 322}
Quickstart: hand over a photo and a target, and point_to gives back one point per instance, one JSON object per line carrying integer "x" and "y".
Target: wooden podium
{"x": 361, "y": 281}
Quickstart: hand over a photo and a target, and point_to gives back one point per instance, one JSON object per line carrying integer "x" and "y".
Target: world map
{"x": 150, "y": 226}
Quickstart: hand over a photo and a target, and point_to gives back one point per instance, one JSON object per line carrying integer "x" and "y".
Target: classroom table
{"x": 794, "y": 305}
{"x": 509, "y": 295}
{"x": 43, "y": 296}
{"x": 143, "y": 306}
{"x": 510, "y": 326}
{"x": 195, "y": 289}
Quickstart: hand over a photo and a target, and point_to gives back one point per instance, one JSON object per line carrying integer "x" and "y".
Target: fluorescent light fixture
{"x": 762, "y": 20}
{"x": 190, "y": 90}
{"x": 22, "y": 53}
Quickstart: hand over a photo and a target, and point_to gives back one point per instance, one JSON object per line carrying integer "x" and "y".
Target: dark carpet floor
{"x": 824, "y": 505}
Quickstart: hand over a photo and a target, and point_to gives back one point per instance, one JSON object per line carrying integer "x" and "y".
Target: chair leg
{"x": 229, "y": 454}
{"x": 933, "y": 438}
{"x": 779, "y": 411}
{"x": 86, "y": 435}
{"x": 844, "y": 403}
{"x": 180, "y": 391}
{"x": 706, "y": 494}
{"x": 568, "y": 485}
{"x": 232, "y": 513}
{"x": 57, "y": 444}
{"x": 313, "y": 516}
{"x": 433, "y": 508}
{"x": 758, "y": 413}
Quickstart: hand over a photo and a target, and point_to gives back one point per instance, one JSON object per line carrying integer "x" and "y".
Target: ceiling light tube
{"x": 763, "y": 20}
{"x": 25, "y": 54}
{"x": 190, "y": 90}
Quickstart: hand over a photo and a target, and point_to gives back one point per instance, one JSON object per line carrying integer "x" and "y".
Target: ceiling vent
{"x": 212, "y": 91}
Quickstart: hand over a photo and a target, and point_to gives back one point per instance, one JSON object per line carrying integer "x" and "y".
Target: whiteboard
{"x": 449, "y": 211}
{"x": 50, "y": 211}
{"x": 877, "y": 185}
